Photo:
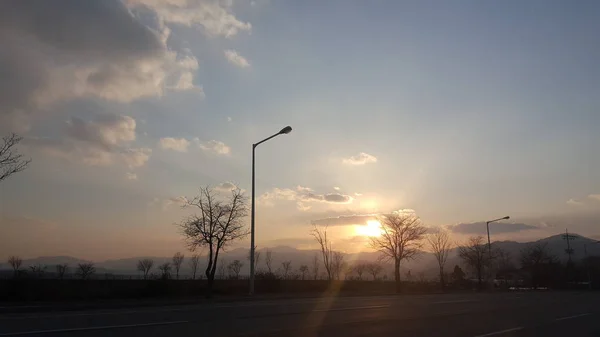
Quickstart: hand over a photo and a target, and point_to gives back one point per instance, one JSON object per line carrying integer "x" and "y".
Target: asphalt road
{"x": 466, "y": 315}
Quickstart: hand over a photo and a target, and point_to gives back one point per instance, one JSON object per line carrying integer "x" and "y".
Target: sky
{"x": 462, "y": 111}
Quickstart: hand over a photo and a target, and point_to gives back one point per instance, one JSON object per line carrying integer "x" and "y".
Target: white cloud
{"x": 131, "y": 176}
{"x": 214, "y": 146}
{"x": 574, "y": 202}
{"x": 336, "y": 188}
{"x": 175, "y": 144}
{"x": 229, "y": 119}
{"x": 226, "y": 186}
{"x": 236, "y": 59}
{"x": 169, "y": 203}
{"x": 594, "y": 196}
{"x": 360, "y": 159}
{"x": 102, "y": 141}
{"x": 303, "y": 195}
{"x": 216, "y": 17}
{"x": 357, "y": 194}
{"x": 99, "y": 50}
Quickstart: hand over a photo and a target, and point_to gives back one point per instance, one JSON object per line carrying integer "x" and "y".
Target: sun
{"x": 372, "y": 228}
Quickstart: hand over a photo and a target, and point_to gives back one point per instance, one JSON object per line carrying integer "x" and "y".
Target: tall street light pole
{"x": 283, "y": 131}
{"x": 487, "y": 224}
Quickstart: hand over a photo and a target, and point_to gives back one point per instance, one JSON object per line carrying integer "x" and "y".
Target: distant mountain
{"x": 425, "y": 262}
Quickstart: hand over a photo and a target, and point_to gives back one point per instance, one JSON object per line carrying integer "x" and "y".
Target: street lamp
{"x": 283, "y": 131}
{"x": 487, "y": 224}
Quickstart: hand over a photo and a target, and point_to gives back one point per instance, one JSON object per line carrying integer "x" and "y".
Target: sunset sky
{"x": 462, "y": 111}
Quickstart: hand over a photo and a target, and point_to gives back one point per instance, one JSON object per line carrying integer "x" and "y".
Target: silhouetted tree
{"x": 177, "y": 261}
{"x": 286, "y": 267}
{"x": 219, "y": 223}
{"x": 474, "y": 254}
{"x": 374, "y": 269}
{"x": 38, "y": 270}
{"x": 15, "y": 263}
{"x": 315, "y": 266}
{"x": 360, "y": 268}
{"x": 61, "y": 270}
{"x": 85, "y": 270}
{"x": 165, "y": 270}
{"x": 11, "y": 161}
{"x": 400, "y": 239}
{"x": 337, "y": 265}
{"x": 303, "y": 269}
{"x": 458, "y": 275}
{"x": 144, "y": 266}
{"x": 320, "y": 236}
{"x": 542, "y": 265}
{"x": 269, "y": 261}
{"x": 194, "y": 262}
{"x": 440, "y": 245}
{"x": 234, "y": 269}
{"x": 222, "y": 267}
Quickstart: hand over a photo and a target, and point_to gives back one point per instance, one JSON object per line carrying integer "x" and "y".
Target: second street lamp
{"x": 283, "y": 131}
{"x": 487, "y": 224}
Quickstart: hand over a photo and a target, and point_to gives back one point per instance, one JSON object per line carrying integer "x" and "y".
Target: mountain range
{"x": 425, "y": 262}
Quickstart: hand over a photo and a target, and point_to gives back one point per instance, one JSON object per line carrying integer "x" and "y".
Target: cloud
{"x": 54, "y": 52}
{"x": 229, "y": 119}
{"x": 480, "y": 228}
{"x": 360, "y": 159}
{"x": 357, "y": 194}
{"x": 574, "y": 202}
{"x": 594, "y": 196}
{"x": 214, "y": 146}
{"x": 168, "y": 203}
{"x": 236, "y": 59}
{"x": 131, "y": 176}
{"x": 344, "y": 220}
{"x": 336, "y": 188}
{"x": 226, "y": 186}
{"x": 106, "y": 131}
{"x": 303, "y": 195}
{"x": 101, "y": 141}
{"x": 175, "y": 144}
{"x": 216, "y": 17}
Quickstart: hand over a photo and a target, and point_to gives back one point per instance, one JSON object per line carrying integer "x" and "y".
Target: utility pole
{"x": 569, "y": 250}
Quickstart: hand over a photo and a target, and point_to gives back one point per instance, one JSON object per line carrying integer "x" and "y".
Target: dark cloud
{"x": 344, "y": 220}
{"x": 497, "y": 227}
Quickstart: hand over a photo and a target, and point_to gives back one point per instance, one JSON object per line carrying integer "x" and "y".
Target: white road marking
{"x": 353, "y": 308}
{"x": 500, "y": 332}
{"x": 574, "y": 316}
{"x": 106, "y": 327}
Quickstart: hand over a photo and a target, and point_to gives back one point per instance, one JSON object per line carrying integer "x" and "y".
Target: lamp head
{"x": 285, "y": 130}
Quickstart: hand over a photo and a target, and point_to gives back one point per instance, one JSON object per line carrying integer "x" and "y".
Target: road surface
{"x": 461, "y": 315}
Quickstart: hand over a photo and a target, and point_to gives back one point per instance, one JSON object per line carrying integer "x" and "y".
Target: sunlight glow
{"x": 372, "y": 228}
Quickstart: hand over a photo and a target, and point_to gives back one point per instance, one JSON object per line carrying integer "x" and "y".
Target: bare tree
{"x": 440, "y": 245}
{"x": 61, "y": 270}
{"x": 475, "y": 255}
{"x": 165, "y": 270}
{"x": 85, "y": 270}
{"x": 360, "y": 268}
{"x": 144, "y": 266}
{"x": 286, "y": 267}
{"x": 177, "y": 261}
{"x": 15, "y": 263}
{"x": 337, "y": 265}
{"x": 401, "y": 236}
{"x": 269, "y": 260}
{"x": 234, "y": 269}
{"x": 222, "y": 267}
{"x": 256, "y": 257}
{"x": 303, "y": 269}
{"x": 326, "y": 252}
{"x": 315, "y": 266}
{"x": 11, "y": 161}
{"x": 194, "y": 262}
{"x": 219, "y": 223}
{"x": 38, "y": 270}
{"x": 540, "y": 263}
{"x": 374, "y": 269}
